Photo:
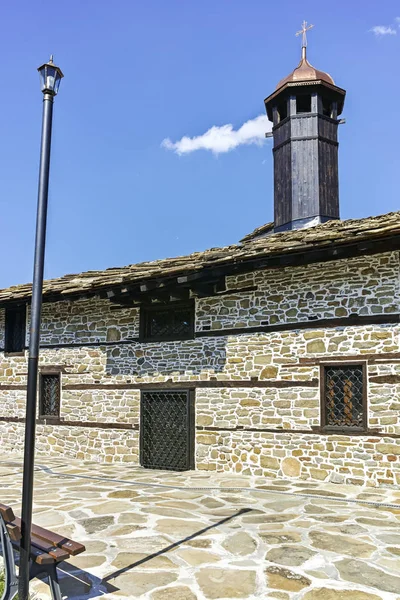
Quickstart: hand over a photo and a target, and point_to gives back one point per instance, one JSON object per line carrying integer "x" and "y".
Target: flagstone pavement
{"x": 159, "y": 535}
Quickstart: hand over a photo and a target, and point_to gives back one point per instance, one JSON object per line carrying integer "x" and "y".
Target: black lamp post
{"x": 50, "y": 78}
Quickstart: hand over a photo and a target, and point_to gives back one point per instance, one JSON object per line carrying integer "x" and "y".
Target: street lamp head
{"x": 50, "y": 77}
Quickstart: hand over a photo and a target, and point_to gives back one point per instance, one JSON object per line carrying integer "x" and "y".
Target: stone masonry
{"x": 271, "y": 428}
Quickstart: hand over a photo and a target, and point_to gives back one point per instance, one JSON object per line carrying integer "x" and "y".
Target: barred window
{"x": 50, "y": 393}
{"x": 171, "y": 322}
{"x": 344, "y": 397}
{"x": 15, "y": 329}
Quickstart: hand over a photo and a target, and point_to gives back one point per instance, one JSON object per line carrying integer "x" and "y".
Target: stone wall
{"x": 262, "y": 413}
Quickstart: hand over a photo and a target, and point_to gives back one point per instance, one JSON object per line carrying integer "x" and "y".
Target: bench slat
{"x": 73, "y": 548}
{"x": 41, "y": 558}
{"x": 55, "y": 552}
{"x": 66, "y": 544}
{"x": 7, "y": 512}
{"x": 14, "y": 532}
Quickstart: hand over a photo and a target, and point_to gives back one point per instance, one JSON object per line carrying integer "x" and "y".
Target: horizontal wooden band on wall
{"x": 315, "y": 431}
{"x": 247, "y": 383}
{"x": 350, "y": 321}
{"x": 63, "y": 423}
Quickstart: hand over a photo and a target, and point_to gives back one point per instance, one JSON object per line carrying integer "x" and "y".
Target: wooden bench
{"x": 48, "y": 549}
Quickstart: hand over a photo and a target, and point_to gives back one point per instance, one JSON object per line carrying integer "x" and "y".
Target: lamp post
{"x": 50, "y": 78}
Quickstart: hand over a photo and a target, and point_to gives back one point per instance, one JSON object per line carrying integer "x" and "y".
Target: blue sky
{"x": 139, "y": 72}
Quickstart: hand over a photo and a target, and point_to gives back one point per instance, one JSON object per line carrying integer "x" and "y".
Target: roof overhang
{"x": 287, "y": 88}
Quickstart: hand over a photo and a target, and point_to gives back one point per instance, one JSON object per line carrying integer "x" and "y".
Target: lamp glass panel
{"x": 50, "y": 77}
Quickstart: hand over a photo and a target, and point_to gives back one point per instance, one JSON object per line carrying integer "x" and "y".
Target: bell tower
{"x": 304, "y": 110}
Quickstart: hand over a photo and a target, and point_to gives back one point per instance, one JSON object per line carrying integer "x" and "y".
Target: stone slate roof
{"x": 320, "y": 237}
{"x": 258, "y": 231}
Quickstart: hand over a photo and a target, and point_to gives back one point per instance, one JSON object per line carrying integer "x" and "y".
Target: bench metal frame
{"x": 11, "y": 579}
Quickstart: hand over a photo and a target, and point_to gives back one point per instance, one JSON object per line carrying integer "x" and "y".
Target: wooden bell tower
{"x": 304, "y": 110}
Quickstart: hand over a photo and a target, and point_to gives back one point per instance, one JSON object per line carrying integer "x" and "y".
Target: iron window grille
{"x": 344, "y": 397}
{"x": 167, "y": 322}
{"x": 15, "y": 328}
{"x": 49, "y": 395}
{"x": 167, "y": 429}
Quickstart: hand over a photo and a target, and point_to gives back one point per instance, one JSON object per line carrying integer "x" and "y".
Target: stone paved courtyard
{"x": 159, "y": 535}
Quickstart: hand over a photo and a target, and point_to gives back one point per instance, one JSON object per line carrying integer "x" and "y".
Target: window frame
{"x": 147, "y": 309}
{"x": 14, "y": 309}
{"x": 42, "y": 374}
{"x": 191, "y": 422}
{"x": 332, "y": 429}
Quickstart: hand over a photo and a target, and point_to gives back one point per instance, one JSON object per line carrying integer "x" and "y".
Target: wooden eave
{"x": 203, "y": 273}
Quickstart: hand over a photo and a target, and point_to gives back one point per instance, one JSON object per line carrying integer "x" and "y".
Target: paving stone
{"x": 148, "y": 543}
{"x": 87, "y": 561}
{"x": 318, "y": 574}
{"x": 177, "y": 528}
{"x": 123, "y": 494}
{"x": 181, "y": 504}
{"x": 266, "y": 518}
{"x": 316, "y": 510}
{"x": 48, "y": 519}
{"x": 212, "y": 503}
{"x": 390, "y": 538}
{"x": 199, "y": 543}
{"x": 226, "y": 583}
{"x": 348, "y": 529}
{"x": 340, "y": 543}
{"x": 110, "y": 508}
{"x": 364, "y": 574}
{"x": 131, "y": 517}
{"x": 283, "y": 579}
{"x": 96, "y": 524}
{"x": 330, "y": 594}
{"x": 240, "y": 544}
{"x": 377, "y": 522}
{"x": 194, "y": 556}
{"x": 134, "y": 559}
{"x": 174, "y": 593}
{"x": 278, "y": 537}
{"x": 93, "y": 546}
{"x": 167, "y": 512}
{"x": 135, "y": 584}
{"x": 283, "y": 504}
{"x": 290, "y": 556}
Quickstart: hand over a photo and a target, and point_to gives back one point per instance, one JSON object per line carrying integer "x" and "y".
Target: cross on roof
{"x": 303, "y": 32}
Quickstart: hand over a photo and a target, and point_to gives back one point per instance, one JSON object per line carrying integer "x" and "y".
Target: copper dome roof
{"x": 305, "y": 72}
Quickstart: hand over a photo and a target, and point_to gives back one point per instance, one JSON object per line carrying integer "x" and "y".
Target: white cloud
{"x": 380, "y": 30}
{"x": 219, "y": 139}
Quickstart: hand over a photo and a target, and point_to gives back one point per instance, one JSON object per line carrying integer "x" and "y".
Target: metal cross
{"x": 303, "y": 32}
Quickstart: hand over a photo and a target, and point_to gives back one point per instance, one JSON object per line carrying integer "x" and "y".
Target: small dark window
{"x": 50, "y": 393}
{"x": 344, "y": 397}
{"x": 303, "y": 104}
{"x": 282, "y": 110}
{"x": 174, "y": 322}
{"x": 15, "y": 328}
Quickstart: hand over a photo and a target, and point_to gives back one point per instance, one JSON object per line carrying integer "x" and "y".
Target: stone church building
{"x": 278, "y": 356}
